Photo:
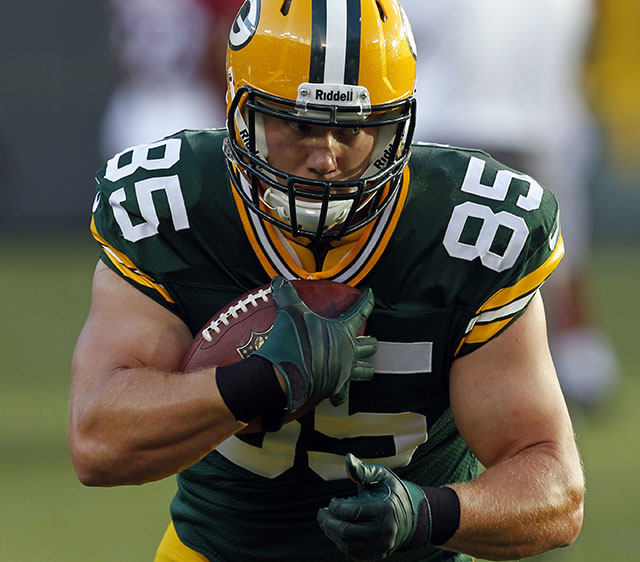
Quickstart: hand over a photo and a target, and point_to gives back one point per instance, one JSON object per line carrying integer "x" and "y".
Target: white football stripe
{"x": 393, "y": 358}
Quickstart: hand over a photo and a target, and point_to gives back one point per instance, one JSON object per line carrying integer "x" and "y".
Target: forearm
{"x": 520, "y": 507}
{"x": 145, "y": 424}
{"x": 509, "y": 409}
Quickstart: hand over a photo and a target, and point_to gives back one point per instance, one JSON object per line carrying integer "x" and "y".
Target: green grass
{"x": 608, "y": 440}
{"x": 46, "y": 515}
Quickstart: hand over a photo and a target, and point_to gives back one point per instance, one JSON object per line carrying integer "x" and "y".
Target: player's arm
{"x": 508, "y": 406}
{"x": 132, "y": 417}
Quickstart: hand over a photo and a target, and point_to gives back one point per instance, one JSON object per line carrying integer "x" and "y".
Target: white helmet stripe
{"x": 335, "y": 42}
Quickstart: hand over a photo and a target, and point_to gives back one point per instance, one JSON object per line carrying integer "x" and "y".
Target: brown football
{"x": 244, "y": 324}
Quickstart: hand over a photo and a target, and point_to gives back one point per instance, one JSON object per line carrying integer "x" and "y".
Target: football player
{"x": 316, "y": 177}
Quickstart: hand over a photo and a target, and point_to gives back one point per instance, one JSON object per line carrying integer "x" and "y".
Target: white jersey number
{"x": 277, "y": 453}
{"x": 490, "y": 221}
{"x": 141, "y": 157}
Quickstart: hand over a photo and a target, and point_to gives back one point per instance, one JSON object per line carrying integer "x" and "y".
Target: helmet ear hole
{"x": 286, "y": 6}
{"x": 383, "y": 14}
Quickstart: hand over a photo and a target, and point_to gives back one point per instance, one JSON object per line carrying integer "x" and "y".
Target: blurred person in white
{"x": 506, "y": 76}
{"x": 162, "y": 48}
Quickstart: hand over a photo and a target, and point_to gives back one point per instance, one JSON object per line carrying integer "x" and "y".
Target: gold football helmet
{"x": 339, "y": 63}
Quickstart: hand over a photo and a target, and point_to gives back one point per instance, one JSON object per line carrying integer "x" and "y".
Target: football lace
{"x": 240, "y": 306}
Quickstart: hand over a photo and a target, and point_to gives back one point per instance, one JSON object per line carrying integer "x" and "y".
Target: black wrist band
{"x": 445, "y": 513}
{"x": 438, "y": 517}
{"x": 250, "y": 388}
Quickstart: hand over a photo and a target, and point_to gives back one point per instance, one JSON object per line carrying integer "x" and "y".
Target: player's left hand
{"x": 317, "y": 356}
{"x": 381, "y": 519}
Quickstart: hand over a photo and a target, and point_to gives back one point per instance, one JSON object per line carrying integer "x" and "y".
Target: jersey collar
{"x": 358, "y": 254}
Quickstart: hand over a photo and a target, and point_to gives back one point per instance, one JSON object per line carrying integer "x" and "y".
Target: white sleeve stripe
{"x": 501, "y": 313}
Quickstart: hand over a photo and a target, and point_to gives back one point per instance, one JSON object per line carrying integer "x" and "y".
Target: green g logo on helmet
{"x": 245, "y": 24}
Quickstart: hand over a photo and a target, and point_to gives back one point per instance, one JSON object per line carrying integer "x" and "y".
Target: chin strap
{"x": 307, "y": 212}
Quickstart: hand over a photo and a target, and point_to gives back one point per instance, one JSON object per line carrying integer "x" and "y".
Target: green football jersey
{"x": 454, "y": 259}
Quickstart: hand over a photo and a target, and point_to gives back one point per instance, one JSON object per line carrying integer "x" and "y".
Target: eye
{"x": 303, "y": 128}
{"x": 349, "y": 134}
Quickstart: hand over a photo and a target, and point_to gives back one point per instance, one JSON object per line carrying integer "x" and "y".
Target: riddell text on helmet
{"x": 333, "y": 95}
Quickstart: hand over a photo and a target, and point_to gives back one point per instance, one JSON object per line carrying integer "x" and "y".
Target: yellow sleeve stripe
{"x": 504, "y": 312}
{"x": 499, "y": 310}
{"x": 494, "y": 321}
{"x": 528, "y": 283}
{"x": 125, "y": 266}
{"x": 486, "y": 325}
{"x": 484, "y": 332}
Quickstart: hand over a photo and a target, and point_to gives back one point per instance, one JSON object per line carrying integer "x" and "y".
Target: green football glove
{"x": 317, "y": 356}
{"x": 381, "y": 519}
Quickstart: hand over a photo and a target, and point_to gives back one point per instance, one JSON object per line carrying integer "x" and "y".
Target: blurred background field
{"x": 47, "y": 515}
{"x": 56, "y": 78}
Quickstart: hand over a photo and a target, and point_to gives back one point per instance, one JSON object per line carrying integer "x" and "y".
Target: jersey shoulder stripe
{"x": 123, "y": 265}
{"x": 511, "y": 302}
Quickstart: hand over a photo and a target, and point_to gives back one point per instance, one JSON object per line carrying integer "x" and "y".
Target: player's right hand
{"x": 380, "y": 519}
{"x": 317, "y": 356}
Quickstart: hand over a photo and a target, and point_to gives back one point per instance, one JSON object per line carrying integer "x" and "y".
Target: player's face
{"x": 318, "y": 151}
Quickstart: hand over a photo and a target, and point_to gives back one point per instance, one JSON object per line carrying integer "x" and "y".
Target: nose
{"x": 322, "y": 155}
